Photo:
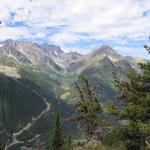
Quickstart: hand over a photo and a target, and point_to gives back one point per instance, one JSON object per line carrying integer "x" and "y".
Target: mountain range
{"x": 38, "y": 80}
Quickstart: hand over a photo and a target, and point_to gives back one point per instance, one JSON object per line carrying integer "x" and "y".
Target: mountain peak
{"x": 106, "y": 50}
{"x": 52, "y": 49}
{"x": 10, "y": 42}
{"x": 73, "y": 55}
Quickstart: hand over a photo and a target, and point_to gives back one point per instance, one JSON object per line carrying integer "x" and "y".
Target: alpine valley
{"x": 38, "y": 80}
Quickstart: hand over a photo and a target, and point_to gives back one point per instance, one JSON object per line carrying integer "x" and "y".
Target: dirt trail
{"x": 27, "y": 127}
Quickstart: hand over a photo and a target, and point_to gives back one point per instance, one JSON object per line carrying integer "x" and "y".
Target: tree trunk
{"x": 90, "y": 136}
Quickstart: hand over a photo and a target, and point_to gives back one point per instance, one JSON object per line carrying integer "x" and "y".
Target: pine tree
{"x": 135, "y": 97}
{"x": 57, "y": 141}
{"x": 147, "y": 47}
{"x": 88, "y": 108}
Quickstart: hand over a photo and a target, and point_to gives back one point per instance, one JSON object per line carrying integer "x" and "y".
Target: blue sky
{"x": 79, "y": 25}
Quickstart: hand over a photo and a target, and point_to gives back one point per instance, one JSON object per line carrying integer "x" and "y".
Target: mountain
{"x": 105, "y": 50}
{"x": 37, "y": 80}
{"x": 26, "y": 53}
{"x": 64, "y": 60}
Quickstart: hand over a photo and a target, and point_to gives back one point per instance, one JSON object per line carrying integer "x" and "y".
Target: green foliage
{"x": 147, "y": 47}
{"x": 135, "y": 98}
{"x": 57, "y": 141}
{"x": 110, "y": 139}
{"x": 78, "y": 142}
{"x": 68, "y": 144}
{"x": 88, "y": 108}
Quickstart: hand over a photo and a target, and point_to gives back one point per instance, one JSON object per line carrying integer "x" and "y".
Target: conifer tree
{"x": 135, "y": 97}
{"x": 88, "y": 108}
{"x": 57, "y": 141}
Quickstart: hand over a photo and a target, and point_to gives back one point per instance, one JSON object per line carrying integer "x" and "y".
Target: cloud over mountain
{"x": 77, "y": 24}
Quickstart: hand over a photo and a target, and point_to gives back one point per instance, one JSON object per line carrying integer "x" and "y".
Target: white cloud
{"x": 65, "y": 38}
{"x": 14, "y": 33}
{"x": 80, "y": 19}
